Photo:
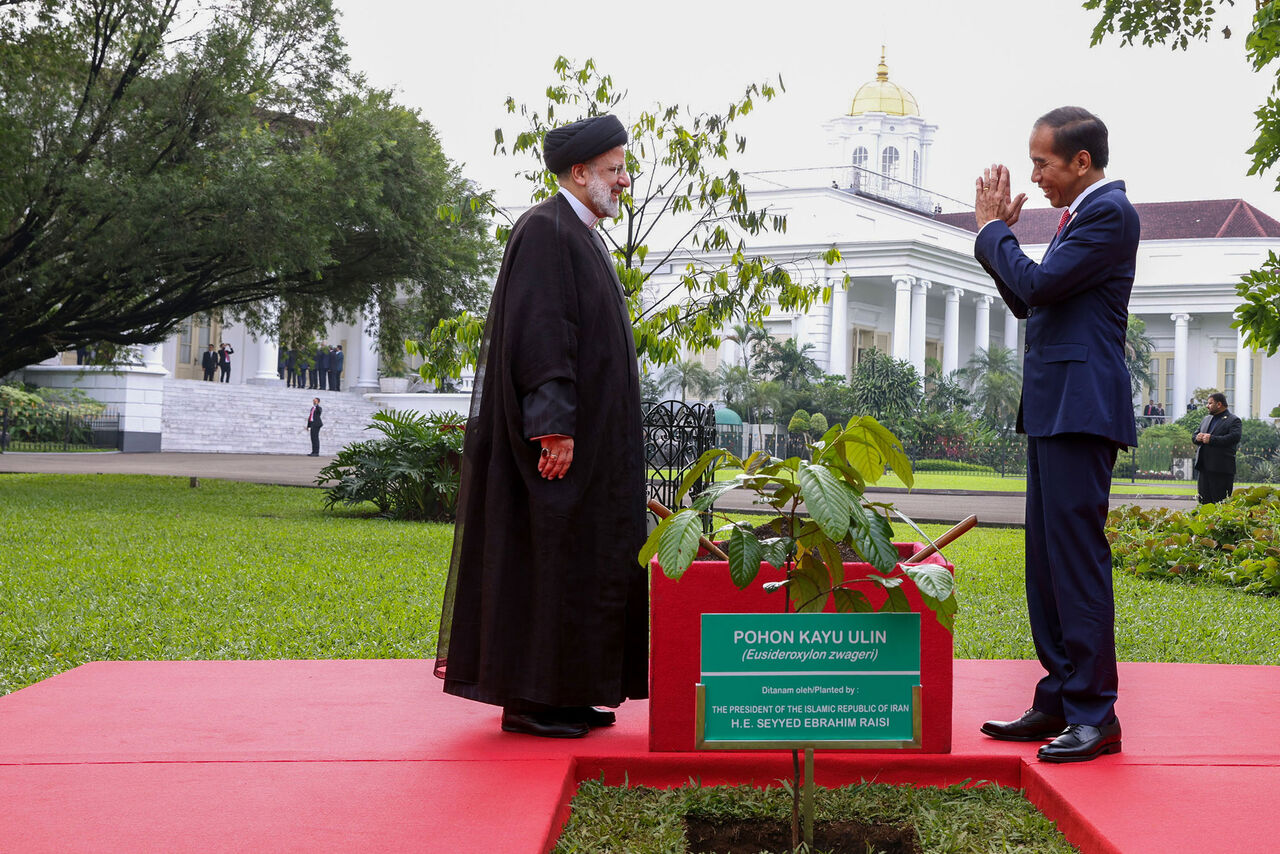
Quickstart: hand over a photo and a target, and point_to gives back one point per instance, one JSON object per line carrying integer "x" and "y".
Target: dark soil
{"x": 754, "y": 835}
{"x": 773, "y": 529}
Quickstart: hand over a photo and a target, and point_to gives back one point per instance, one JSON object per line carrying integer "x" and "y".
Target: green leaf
{"x": 872, "y": 537}
{"x": 704, "y": 462}
{"x": 895, "y": 600}
{"x": 709, "y": 496}
{"x": 776, "y": 551}
{"x": 744, "y": 552}
{"x": 808, "y": 587}
{"x": 851, "y": 601}
{"x": 835, "y": 563}
{"x": 678, "y": 537}
{"x": 931, "y": 579}
{"x": 828, "y": 499}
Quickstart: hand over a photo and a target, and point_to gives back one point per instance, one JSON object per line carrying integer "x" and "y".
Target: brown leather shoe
{"x": 1081, "y": 743}
{"x": 1032, "y": 726}
{"x": 544, "y": 725}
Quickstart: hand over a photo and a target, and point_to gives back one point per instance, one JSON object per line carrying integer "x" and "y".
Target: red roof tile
{"x": 1204, "y": 218}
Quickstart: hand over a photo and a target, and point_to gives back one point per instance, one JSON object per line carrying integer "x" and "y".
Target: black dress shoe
{"x": 1032, "y": 726}
{"x": 1082, "y": 742}
{"x": 589, "y": 715}
{"x": 545, "y": 725}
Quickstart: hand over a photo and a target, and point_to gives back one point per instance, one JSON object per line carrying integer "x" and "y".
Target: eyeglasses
{"x": 616, "y": 171}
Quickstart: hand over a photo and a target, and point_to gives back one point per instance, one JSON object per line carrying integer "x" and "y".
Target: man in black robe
{"x": 546, "y": 607}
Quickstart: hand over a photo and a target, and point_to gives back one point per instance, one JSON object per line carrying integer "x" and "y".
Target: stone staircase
{"x": 225, "y": 418}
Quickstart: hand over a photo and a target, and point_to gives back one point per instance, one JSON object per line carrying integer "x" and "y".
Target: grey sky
{"x": 982, "y": 71}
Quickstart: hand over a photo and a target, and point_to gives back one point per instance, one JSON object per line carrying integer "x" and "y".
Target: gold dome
{"x": 882, "y": 96}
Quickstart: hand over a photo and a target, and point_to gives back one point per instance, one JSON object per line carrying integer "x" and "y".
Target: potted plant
{"x": 825, "y": 559}
{"x": 830, "y": 486}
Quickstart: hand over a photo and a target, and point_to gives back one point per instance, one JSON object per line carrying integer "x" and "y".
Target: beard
{"x": 600, "y": 193}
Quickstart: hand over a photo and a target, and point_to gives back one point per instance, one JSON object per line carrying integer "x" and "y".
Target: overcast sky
{"x": 982, "y": 71}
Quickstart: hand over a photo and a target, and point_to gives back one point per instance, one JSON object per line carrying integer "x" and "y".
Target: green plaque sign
{"x": 809, "y": 680}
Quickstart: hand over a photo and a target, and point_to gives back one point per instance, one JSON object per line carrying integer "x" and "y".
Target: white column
{"x": 951, "y": 332}
{"x": 1179, "y": 363}
{"x": 367, "y": 369}
{"x": 1010, "y": 330}
{"x": 982, "y": 324}
{"x": 1243, "y": 404}
{"x": 267, "y": 349}
{"x": 918, "y": 292}
{"x": 153, "y": 357}
{"x": 838, "y": 358}
{"x": 902, "y": 318}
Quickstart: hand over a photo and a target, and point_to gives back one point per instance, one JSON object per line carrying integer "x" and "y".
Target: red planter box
{"x": 675, "y": 644}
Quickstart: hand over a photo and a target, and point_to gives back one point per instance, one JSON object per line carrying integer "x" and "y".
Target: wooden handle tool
{"x": 946, "y": 539}
{"x": 662, "y": 512}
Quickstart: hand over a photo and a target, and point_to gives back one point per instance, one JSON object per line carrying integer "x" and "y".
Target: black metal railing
{"x": 676, "y": 434}
{"x": 53, "y": 428}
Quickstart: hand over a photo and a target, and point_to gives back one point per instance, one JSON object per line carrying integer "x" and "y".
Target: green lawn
{"x": 995, "y": 483}
{"x": 134, "y": 567}
{"x": 131, "y": 567}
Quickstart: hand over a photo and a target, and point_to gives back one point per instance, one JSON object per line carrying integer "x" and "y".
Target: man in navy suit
{"x": 1216, "y": 442}
{"x": 314, "y": 423}
{"x": 1077, "y": 411}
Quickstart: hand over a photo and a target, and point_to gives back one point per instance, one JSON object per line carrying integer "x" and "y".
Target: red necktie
{"x": 1062, "y": 223}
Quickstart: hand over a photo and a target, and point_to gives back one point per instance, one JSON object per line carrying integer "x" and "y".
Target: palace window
{"x": 889, "y": 162}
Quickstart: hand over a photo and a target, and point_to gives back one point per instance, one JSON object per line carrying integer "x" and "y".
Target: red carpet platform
{"x": 348, "y": 756}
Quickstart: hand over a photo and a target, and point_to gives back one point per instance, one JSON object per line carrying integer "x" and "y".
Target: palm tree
{"x": 788, "y": 364}
{"x": 747, "y": 337}
{"x": 1137, "y": 356}
{"x": 689, "y": 375}
{"x": 995, "y": 378}
{"x": 735, "y": 387}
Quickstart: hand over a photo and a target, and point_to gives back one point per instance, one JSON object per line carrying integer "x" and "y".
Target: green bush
{"x": 411, "y": 473}
{"x": 48, "y": 415}
{"x": 1234, "y": 542}
{"x": 951, "y": 465}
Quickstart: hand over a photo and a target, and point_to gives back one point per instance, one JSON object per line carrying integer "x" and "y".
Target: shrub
{"x": 951, "y": 465}
{"x": 1234, "y": 542}
{"x": 799, "y": 422}
{"x": 49, "y": 415}
{"x": 411, "y": 473}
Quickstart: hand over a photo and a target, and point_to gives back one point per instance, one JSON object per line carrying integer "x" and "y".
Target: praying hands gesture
{"x": 992, "y": 197}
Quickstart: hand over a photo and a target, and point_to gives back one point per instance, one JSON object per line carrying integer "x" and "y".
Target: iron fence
{"x": 676, "y": 434}
{"x": 54, "y": 428}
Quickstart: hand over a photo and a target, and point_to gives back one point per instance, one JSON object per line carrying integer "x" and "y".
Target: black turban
{"x": 581, "y": 141}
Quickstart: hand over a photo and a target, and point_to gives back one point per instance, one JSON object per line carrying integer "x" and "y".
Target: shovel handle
{"x": 946, "y": 539}
{"x": 662, "y": 512}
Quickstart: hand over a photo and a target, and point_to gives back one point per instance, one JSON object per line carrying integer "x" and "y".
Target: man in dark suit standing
{"x": 314, "y": 424}
{"x": 224, "y": 362}
{"x": 209, "y": 361}
{"x": 335, "y": 368}
{"x": 1216, "y": 442}
{"x": 1077, "y": 411}
{"x": 322, "y": 367}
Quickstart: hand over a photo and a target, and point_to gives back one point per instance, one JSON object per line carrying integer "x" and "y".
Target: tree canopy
{"x": 1179, "y": 23}
{"x": 164, "y": 158}
{"x": 687, "y": 208}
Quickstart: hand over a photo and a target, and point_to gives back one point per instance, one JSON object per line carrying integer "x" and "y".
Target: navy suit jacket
{"x": 1076, "y": 304}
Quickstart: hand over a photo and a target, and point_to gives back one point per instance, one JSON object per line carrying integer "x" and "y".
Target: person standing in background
{"x": 209, "y": 362}
{"x": 224, "y": 361}
{"x": 1216, "y": 442}
{"x": 314, "y": 423}
{"x": 335, "y": 369}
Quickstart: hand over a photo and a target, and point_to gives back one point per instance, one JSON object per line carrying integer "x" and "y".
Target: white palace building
{"x": 915, "y": 290}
